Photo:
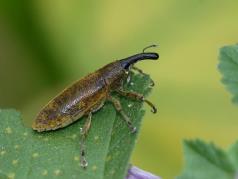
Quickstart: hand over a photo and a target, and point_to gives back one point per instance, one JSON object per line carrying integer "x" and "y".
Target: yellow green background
{"x": 45, "y": 45}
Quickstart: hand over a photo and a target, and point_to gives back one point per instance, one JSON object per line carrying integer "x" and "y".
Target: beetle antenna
{"x": 149, "y": 47}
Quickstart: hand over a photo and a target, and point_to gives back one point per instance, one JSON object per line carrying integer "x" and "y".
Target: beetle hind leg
{"x": 118, "y": 107}
{"x": 83, "y": 135}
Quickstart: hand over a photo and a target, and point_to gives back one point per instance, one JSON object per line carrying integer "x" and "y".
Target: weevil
{"x": 88, "y": 95}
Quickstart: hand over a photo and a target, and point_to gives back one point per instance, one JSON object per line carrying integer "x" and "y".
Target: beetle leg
{"x": 118, "y": 107}
{"x": 141, "y": 72}
{"x": 128, "y": 78}
{"x": 139, "y": 97}
{"x": 83, "y": 135}
{"x": 138, "y": 70}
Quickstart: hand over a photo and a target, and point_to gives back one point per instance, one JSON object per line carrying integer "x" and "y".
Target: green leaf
{"x": 206, "y": 161}
{"x": 229, "y": 68}
{"x": 26, "y": 154}
{"x": 233, "y": 154}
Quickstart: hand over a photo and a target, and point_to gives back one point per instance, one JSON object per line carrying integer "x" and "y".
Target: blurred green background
{"x": 45, "y": 45}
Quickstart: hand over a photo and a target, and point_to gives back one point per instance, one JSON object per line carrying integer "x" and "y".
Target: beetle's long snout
{"x": 138, "y": 57}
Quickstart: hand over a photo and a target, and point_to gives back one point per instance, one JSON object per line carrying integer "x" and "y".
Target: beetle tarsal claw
{"x": 152, "y": 83}
{"x": 83, "y": 163}
{"x": 154, "y": 109}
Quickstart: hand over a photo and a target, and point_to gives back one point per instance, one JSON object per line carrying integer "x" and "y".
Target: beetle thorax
{"x": 113, "y": 74}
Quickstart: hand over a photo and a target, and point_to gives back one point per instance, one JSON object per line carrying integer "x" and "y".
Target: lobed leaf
{"x": 26, "y": 154}
{"x": 228, "y": 66}
{"x": 206, "y": 161}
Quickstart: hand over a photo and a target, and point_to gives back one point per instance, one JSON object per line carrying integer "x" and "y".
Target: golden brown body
{"x": 86, "y": 95}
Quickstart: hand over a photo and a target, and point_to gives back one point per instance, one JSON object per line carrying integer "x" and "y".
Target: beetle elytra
{"x": 87, "y": 95}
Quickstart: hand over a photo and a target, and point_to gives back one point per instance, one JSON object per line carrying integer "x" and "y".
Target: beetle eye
{"x": 125, "y": 65}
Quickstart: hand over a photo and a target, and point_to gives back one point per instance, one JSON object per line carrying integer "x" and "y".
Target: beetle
{"x": 88, "y": 95}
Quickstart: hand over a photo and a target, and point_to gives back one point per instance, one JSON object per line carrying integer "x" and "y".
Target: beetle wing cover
{"x": 71, "y": 104}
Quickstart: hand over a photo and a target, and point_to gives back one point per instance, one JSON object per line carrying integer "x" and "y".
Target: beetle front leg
{"x": 141, "y": 72}
{"x": 139, "y": 97}
{"x": 83, "y": 135}
{"x": 138, "y": 70}
{"x": 118, "y": 107}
